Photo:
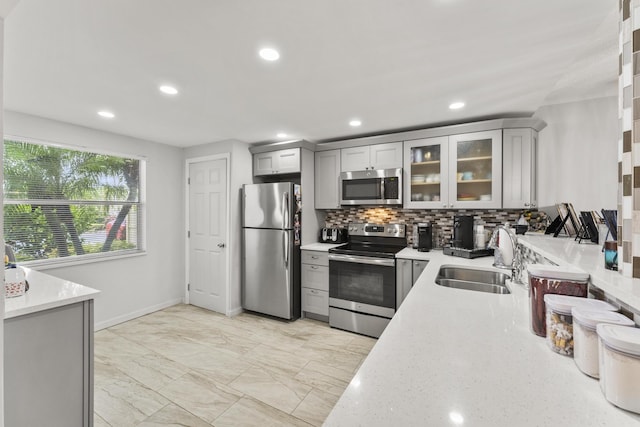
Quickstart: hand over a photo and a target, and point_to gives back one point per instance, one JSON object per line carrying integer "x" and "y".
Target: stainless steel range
{"x": 362, "y": 278}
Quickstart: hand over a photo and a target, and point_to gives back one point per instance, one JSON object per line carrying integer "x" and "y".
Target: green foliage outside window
{"x": 60, "y": 202}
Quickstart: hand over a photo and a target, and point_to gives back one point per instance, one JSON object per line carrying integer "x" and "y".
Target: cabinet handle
{"x": 444, "y": 205}
{"x": 314, "y": 267}
{"x": 313, "y": 291}
{"x": 451, "y": 205}
{"x": 314, "y": 257}
{"x": 526, "y": 204}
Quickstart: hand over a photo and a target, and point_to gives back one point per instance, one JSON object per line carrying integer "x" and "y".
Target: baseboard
{"x": 235, "y": 311}
{"x": 135, "y": 314}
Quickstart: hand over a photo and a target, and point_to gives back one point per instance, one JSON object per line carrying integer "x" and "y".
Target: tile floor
{"x": 190, "y": 367}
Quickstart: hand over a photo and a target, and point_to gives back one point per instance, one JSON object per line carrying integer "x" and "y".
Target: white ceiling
{"x": 392, "y": 64}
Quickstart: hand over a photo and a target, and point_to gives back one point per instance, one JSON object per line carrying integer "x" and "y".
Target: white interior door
{"x": 207, "y": 234}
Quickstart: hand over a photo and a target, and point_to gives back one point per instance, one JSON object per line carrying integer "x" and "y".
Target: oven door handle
{"x": 385, "y": 262}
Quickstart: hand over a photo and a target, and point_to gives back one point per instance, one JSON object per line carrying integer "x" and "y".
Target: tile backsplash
{"x": 440, "y": 219}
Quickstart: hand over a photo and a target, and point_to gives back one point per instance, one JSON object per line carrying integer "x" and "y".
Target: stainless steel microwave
{"x": 371, "y": 187}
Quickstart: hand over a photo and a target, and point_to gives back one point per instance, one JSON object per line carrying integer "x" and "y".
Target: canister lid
{"x": 621, "y": 338}
{"x": 564, "y": 303}
{"x": 557, "y": 272}
{"x": 591, "y": 318}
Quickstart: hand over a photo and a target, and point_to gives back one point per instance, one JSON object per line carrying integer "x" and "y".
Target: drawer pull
{"x": 314, "y": 257}
{"x": 315, "y": 267}
{"x": 313, "y": 291}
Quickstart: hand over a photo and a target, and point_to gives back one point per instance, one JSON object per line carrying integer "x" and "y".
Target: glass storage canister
{"x": 549, "y": 279}
{"x": 585, "y": 337}
{"x": 560, "y": 321}
{"x": 619, "y": 348}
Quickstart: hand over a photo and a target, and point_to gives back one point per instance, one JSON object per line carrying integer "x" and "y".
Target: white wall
{"x": 137, "y": 285}
{"x": 577, "y": 154}
{"x": 2, "y": 226}
{"x": 241, "y": 173}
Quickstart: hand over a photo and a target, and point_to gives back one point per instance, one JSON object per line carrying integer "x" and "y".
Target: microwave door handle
{"x": 382, "y": 189}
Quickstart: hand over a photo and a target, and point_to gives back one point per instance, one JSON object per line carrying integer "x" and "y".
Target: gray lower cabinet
{"x": 315, "y": 284}
{"x": 407, "y": 272}
{"x": 48, "y": 367}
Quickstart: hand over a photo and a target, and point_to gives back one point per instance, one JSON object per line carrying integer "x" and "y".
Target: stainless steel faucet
{"x": 499, "y": 261}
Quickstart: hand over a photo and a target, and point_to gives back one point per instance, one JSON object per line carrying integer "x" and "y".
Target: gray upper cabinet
{"x": 475, "y": 170}
{"x": 277, "y": 162}
{"x": 371, "y": 157}
{"x": 327, "y": 173}
{"x": 519, "y": 168}
{"x": 454, "y": 172}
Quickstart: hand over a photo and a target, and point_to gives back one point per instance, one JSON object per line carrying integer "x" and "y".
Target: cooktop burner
{"x": 373, "y": 240}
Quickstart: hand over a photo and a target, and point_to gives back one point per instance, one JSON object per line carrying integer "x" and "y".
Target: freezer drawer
{"x": 271, "y": 275}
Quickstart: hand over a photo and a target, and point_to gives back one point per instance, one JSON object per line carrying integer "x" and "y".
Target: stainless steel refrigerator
{"x": 271, "y": 216}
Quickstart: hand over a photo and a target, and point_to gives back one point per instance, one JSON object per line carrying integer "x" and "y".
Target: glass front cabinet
{"x": 454, "y": 172}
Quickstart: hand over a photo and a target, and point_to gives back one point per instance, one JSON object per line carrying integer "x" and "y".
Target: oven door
{"x": 363, "y": 284}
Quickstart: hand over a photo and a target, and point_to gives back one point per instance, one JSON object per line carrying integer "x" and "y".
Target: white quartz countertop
{"x": 590, "y": 258}
{"x": 454, "y": 357}
{"x": 46, "y": 292}
{"x": 324, "y": 247}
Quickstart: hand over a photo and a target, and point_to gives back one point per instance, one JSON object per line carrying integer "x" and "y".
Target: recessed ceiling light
{"x": 456, "y": 105}
{"x": 282, "y": 135}
{"x": 355, "y": 123}
{"x": 106, "y": 114}
{"x": 269, "y": 54}
{"x": 169, "y": 90}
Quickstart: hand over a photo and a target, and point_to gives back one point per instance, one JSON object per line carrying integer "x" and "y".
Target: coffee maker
{"x": 423, "y": 237}
{"x": 462, "y": 243}
{"x": 462, "y": 232}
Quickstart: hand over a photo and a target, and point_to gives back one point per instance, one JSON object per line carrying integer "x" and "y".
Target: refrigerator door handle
{"x": 285, "y": 211}
{"x": 285, "y": 247}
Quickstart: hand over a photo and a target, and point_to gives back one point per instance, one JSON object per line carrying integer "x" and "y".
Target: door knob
{"x": 221, "y": 245}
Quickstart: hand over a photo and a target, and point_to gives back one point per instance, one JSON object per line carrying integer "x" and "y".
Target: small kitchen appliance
{"x": 333, "y": 235}
{"x": 462, "y": 232}
{"x": 462, "y": 244}
{"x": 371, "y": 187}
{"x": 425, "y": 237}
{"x": 362, "y": 278}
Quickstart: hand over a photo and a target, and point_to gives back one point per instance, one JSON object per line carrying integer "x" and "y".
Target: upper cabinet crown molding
{"x": 481, "y": 126}
{"x": 277, "y": 146}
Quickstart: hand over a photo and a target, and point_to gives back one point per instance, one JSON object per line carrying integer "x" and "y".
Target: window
{"x": 60, "y": 202}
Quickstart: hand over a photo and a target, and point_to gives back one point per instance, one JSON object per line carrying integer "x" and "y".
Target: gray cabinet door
{"x": 519, "y": 156}
{"x": 48, "y": 368}
{"x": 327, "y": 179}
{"x": 418, "y": 267}
{"x": 403, "y": 280}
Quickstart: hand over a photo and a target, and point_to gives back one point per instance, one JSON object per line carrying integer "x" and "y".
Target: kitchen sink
{"x": 473, "y": 279}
